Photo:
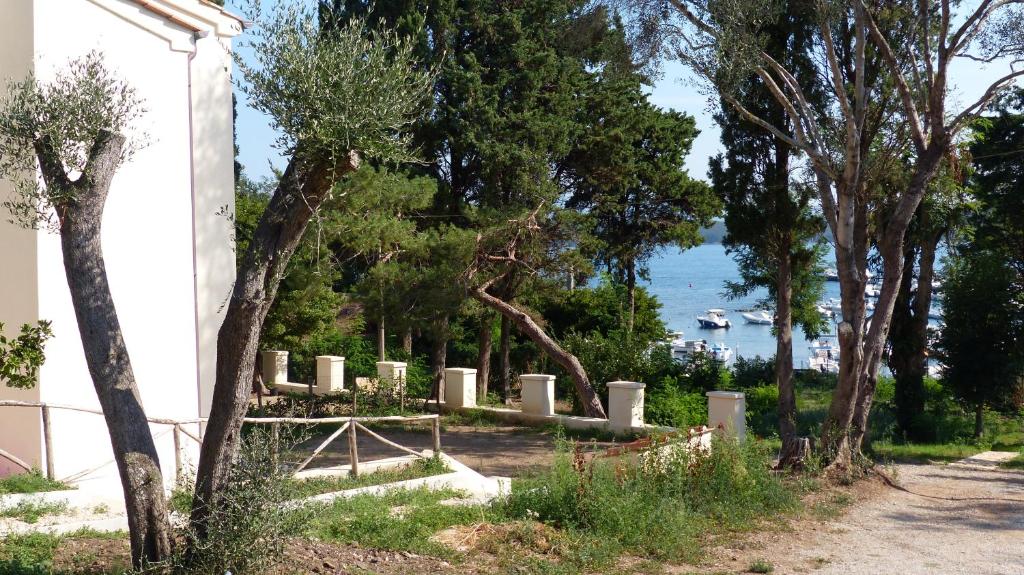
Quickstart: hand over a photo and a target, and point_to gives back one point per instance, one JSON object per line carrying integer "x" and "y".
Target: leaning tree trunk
{"x": 505, "y": 362}
{"x": 483, "y": 358}
{"x": 794, "y": 450}
{"x": 302, "y": 189}
{"x": 584, "y": 391}
{"x": 105, "y": 352}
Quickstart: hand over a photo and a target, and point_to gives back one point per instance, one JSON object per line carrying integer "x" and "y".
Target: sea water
{"x": 690, "y": 282}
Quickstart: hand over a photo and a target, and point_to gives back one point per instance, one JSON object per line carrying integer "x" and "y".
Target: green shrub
{"x": 763, "y": 409}
{"x": 657, "y": 506}
{"x": 666, "y": 404}
{"x": 748, "y": 373}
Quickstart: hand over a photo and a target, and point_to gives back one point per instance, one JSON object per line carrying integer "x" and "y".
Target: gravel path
{"x": 950, "y": 519}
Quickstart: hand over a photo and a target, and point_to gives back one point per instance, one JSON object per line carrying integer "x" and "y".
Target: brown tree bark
{"x": 505, "y": 362}
{"x": 407, "y": 340}
{"x": 106, "y": 354}
{"x": 381, "y": 341}
{"x": 979, "y": 420}
{"x": 302, "y": 189}
{"x": 438, "y": 359}
{"x": 584, "y": 391}
{"x": 790, "y": 454}
{"x": 483, "y": 359}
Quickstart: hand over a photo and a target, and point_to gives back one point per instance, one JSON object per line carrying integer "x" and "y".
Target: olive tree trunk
{"x": 483, "y": 359}
{"x": 302, "y": 189}
{"x": 584, "y": 391}
{"x": 106, "y": 355}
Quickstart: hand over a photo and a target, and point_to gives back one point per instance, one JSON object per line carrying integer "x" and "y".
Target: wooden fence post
{"x": 353, "y": 449}
{"x": 436, "y": 430}
{"x": 177, "y": 454}
{"x": 275, "y": 443}
{"x": 48, "y": 443}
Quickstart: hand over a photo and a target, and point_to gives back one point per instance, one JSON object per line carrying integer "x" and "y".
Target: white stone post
{"x": 275, "y": 367}
{"x": 459, "y": 387}
{"x": 729, "y": 410}
{"x": 625, "y": 405}
{"x": 391, "y": 371}
{"x": 330, "y": 374}
{"x": 538, "y": 393}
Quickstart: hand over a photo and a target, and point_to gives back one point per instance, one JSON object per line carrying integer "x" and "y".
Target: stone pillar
{"x": 330, "y": 374}
{"x": 538, "y": 393}
{"x": 625, "y": 405}
{"x": 728, "y": 409}
{"x": 459, "y": 387}
{"x": 391, "y": 371}
{"x": 275, "y": 367}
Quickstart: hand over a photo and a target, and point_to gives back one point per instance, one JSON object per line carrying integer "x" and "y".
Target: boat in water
{"x": 714, "y": 319}
{"x": 720, "y": 352}
{"x": 824, "y": 357}
{"x": 683, "y": 349}
{"x": 759, "y": 317}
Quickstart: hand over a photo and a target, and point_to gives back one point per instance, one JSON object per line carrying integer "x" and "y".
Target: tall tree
{"x": 73, "y": 133}
{"x": 627, "y": 173}
{"x": 335, "y": 95}
{"x": 867, "y": 53}
{"x": 772, "y": 227}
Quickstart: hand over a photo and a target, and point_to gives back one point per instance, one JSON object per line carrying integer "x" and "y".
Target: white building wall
{"x": 20, "y": 432}
{"x": 150, "y": 221}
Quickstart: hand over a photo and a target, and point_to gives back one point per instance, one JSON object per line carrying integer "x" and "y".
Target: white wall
{"x": 19, "y": 428}
{"x": 149, "y": 223}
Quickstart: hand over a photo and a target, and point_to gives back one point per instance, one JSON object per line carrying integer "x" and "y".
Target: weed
{"x": 300, "y": 488}
{"x": 30, "y": 511}
{"x": 761, "y": 566}
{"x": 32, "y": 482}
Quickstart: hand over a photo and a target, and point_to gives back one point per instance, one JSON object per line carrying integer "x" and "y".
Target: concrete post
{"x": 391, "y": 371}
{"x": 625, "y": 405}
{"x": 275, "y": 367}
{"x": 459, "y": 387}
{"x": 330, "y": 374}
{"x": 538, "y": 393}
{"x": 728, "y": 409}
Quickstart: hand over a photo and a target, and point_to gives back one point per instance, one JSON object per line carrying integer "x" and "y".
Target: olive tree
{"x": 336, "y": 94}
{"x": 74, "y": 132}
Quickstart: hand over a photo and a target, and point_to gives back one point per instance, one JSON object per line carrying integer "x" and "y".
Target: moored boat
{"x": 714, "y": 319}
{"x": 759, "y": 317}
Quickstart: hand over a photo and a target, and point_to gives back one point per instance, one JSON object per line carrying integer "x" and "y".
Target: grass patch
{"x": 301, "y": 488}
{"x": 30, "y": 511}
{"x": 33, "y": 553}
{"x": 471, "y": 418}
{"x": 761, "y": 566}
{"x": 919, "y": 452}
{"x": 1015, "y": 463}
{"x": 32, "y": 482}
{"x": 658, "y": 507}
{"x": 403, "y": 520}
{"x": 831, "y": 507}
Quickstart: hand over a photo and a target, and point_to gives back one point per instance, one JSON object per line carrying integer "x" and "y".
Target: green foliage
{"x": 761, "y": 566}
{"x": 32, "y": 482}
{"x": 668, "y": 404}
{"x": 327, "y": 94}
{"x": 748, "y": 373}
{"x": 659, "y": 506}
{"x": 68, "y": 116}
{"x": 248, "y": 526}
{"x": 982, "y": 344}
{"x": 603, "y": 309}
{"x": 22, "y": 356}
{"x": 33, "y": 553}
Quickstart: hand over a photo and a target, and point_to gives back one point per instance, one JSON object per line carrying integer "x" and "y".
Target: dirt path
{"x": 948, "y": 519}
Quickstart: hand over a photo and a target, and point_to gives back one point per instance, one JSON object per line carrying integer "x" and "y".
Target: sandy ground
{"x": 948, "y": 519}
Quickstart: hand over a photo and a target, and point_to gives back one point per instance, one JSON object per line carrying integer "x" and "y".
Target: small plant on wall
{"x": 22, "y": 356}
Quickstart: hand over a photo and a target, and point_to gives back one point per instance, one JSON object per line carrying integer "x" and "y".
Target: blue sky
{"x": 675, "y": 89}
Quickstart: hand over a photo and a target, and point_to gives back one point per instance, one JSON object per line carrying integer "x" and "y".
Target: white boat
{"x": 759, "y": 317}
{"x": 720, "y": 351}
{"x": 831, "y": 275}
{"x": 683, "y": 349}
{"x": 872, "y": 290}
{"x": 824, "y": 357}
{"x": 714, "y": 319}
